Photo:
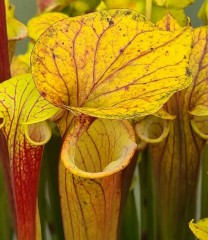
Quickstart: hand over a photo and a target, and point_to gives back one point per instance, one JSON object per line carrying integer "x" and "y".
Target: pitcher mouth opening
{"x": 107, "y": 147}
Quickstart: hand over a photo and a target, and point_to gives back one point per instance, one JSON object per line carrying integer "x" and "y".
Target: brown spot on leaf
{"x": 188, "y": 72}
{"x": 111, "y": 23}
{"x": 43, "y": 94}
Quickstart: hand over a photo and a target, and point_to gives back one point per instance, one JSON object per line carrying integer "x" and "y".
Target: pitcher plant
{"x": 104, "y": 80}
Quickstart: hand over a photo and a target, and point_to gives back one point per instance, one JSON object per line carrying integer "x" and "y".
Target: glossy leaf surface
{"x": 78, "y": 64}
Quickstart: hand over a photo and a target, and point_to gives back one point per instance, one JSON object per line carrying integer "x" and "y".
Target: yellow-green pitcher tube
{"x": 175, "y": 151}
{"x": 176, "y": 162}
{"x": 93, "y": 178}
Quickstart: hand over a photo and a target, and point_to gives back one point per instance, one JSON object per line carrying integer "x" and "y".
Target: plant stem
{"x": 4, "y": 53}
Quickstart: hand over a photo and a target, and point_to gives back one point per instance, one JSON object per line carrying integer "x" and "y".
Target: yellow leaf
{"x": 37, "y": 25}
{"x": 20, "y": 101}
{"x": 79, "y": 64}
{"x": 200, "y": 229}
